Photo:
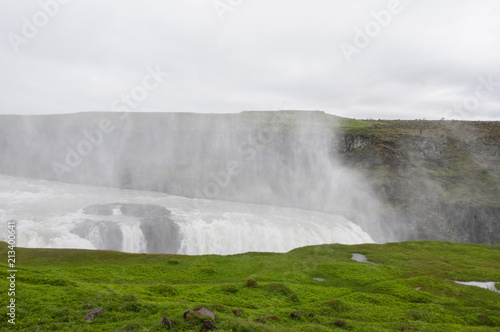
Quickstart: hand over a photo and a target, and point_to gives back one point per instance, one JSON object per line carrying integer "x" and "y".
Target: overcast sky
{"x": 425, "y": 59}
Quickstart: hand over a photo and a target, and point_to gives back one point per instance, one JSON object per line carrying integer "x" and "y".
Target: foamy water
{"x": 47, "y": 212}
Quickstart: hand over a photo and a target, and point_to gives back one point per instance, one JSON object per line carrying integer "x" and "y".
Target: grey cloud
{"x": 263, "y": 55}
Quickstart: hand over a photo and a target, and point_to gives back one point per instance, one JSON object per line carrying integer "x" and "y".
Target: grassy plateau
{"x": 412, "y": 289}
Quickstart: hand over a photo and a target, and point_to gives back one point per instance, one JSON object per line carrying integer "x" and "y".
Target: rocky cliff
{"x": 400, "y": 180}
{"x": 442, "y": 177}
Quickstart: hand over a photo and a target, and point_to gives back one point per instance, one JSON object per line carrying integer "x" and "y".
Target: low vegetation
{"x": 317, "y": 288}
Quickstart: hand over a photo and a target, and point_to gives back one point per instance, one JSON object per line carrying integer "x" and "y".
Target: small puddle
{"x": 362, "y": 259}
{"x": 489, "y": 285}
{"x": 319, "y": 279}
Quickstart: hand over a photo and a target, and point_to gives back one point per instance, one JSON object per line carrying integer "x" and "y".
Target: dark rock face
{"x": 160, "y": 232}
{"x": 461, "y": 223}
{"x": 349, "y": 143}
{"x": 441, "y": 179}
{"x": 102, "y": 234}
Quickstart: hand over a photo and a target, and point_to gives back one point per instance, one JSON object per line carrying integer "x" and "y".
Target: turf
{"x": 411, "y": 289}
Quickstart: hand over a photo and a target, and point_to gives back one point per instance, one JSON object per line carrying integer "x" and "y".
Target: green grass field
{"x": 411, "y": 290}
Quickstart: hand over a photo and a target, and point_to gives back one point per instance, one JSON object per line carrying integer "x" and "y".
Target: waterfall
{"x": 133, "y": 239}
{"x": 59, "y": 215}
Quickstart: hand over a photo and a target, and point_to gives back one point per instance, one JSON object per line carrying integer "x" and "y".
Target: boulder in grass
{"x": 93, "y": 314}
{"x": 251, "y": 283}
{"x": 208, "y": 325}
{"x": 260, "y": 320}
{"x": 238, "y": 312}
{"x": 294, "y": 314}
{"x": 200, "y": 313}
{"x": 165, "y": 321}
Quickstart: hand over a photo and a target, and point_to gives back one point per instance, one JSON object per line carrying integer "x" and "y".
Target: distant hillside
{"x": 399, "y": 180}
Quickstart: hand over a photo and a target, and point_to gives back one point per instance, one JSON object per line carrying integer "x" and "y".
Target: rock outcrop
{"x": 160, "y": 232}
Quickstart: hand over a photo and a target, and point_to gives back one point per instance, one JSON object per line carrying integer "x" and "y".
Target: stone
{"x": 165, "y": 321}
{"x": 200, "y": 312}
{"x": 237, "y": 312}
{"x": 93, "y": 314}
{"x": 208, "y": 325}
{"x": 260, "y": 320}
{"x": 251, "y": 283}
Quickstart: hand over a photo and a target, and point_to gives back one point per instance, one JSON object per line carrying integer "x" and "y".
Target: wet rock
{"x": 161, "y": 233}
{"x": 105, "y": 235}
{"x": 93, "y": 314}
{"x": 99, "y": 210}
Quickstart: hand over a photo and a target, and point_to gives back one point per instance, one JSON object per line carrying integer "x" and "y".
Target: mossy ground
{"x": 411, "y": 289}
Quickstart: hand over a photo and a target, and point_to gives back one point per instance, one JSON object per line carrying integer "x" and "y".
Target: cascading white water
{"x": 48, "y": 213}
{"x": 278, "y": 231}
{"x": 133, "y": 238}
